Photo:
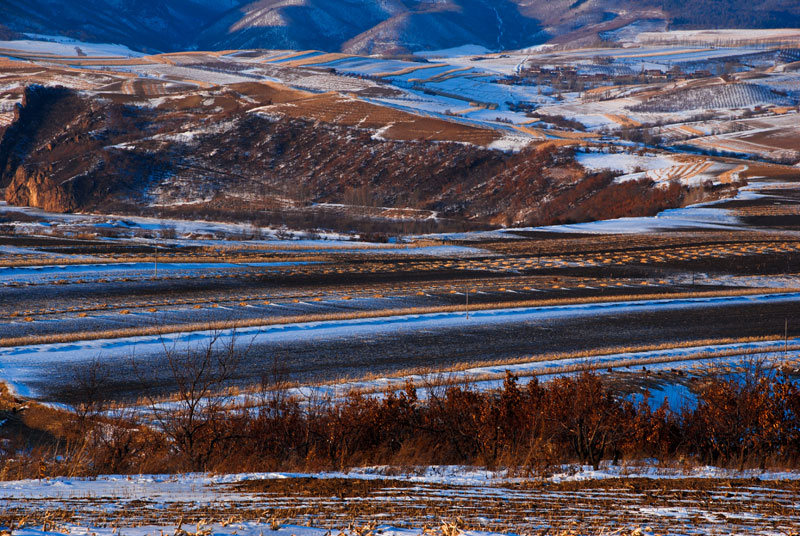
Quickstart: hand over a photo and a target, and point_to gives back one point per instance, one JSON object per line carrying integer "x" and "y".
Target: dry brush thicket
{"x": 751, "y": 420}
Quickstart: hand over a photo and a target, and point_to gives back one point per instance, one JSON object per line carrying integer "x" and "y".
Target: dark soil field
{"x": 320, "y": 361}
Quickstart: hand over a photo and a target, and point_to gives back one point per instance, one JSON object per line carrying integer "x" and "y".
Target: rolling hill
{"x": 367, "y": 26}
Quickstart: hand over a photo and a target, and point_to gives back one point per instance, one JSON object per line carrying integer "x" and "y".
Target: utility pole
{"x": 263, "y": 204}
{"x": 155, "y": 260}
{"x": 467, "y": 294}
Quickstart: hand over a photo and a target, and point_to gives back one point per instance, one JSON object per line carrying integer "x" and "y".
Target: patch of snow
{"x": 23, "y": 272}
{"x": 65, "y": 46}
{"x": 511, "y": 143}
{"x": 677, "y": 218}
{"x": 624, "y": 162}
{"x": 463, "y": 50}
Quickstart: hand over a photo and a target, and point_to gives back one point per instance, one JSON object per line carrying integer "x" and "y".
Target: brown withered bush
{"x": 751, "y": 420}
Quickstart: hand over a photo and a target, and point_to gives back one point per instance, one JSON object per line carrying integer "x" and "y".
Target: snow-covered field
{"x": 700, "y": 216}
{"x": 695, "y": 360}
{"x": 636, "y": 499}
{"x": 693, "y": 217}
{"x": 200, "y": 487}
{"x": 716, "y": 37}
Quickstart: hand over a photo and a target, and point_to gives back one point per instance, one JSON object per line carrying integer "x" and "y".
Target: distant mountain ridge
{"x": 369, "y": 26}
{"x": 146, "y": 25}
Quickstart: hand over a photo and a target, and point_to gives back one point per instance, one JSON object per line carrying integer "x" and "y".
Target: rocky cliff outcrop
{"x": 37, "y": 189}
{"x": 53, "y": 156}
{"x": 25, "y": 172}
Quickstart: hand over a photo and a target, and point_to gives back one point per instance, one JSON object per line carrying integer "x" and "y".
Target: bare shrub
{"x": 193, "y": 418}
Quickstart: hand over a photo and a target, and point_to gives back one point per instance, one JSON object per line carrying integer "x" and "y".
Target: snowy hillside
{"x": 385, "y": 26}
{"x": 715, "y": 97}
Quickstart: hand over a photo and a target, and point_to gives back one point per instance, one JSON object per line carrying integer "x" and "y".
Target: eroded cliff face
{"x": 38, "y": 190}
{"x": 54, "y": 156}
{"x": 50, "y": 123}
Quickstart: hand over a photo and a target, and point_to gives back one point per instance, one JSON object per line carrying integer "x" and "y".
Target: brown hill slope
{"x": 235, "y": 153}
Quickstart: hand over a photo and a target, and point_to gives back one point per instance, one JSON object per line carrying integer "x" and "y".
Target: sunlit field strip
{"x": 518, "y": 285}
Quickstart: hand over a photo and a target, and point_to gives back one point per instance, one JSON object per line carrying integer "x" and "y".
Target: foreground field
{"x": 436, "y": 500}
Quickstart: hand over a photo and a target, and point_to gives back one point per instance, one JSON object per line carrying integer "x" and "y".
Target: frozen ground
{"x": 26, "y": 369}
{"x": 202, "y": 487}
{"x": 638, "y": 499}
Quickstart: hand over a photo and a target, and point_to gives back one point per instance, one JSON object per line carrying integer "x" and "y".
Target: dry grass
{"x": 9, "y": 64}
{"x": 623, "y": 120}
{"x": 316, "y": 60}
{"x": 289, "y": 55}
{"x": 108, "y": 62}
{"x": 692, "y": 130}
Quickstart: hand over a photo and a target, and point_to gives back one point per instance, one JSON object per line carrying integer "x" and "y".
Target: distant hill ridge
{"x": 370, "y": 26}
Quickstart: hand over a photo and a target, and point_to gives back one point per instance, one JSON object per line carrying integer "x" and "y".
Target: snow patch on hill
{"x": 64, "y": 46}
{"x": 463, "y": 50}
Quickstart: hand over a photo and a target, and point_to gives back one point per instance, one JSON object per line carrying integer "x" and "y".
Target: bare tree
{"x": 89, "y": 390}
{"x": 194, "y": 417}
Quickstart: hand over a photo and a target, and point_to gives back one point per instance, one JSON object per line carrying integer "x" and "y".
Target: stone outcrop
{"x": 37, "y": 189}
